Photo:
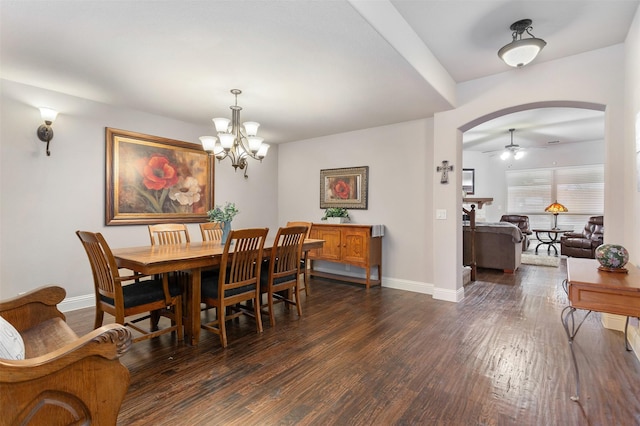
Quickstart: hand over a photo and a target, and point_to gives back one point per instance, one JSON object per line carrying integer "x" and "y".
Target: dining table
{"x": 190, "y": 257}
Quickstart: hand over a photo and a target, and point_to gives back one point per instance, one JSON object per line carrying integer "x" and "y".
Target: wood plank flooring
{"x": 390, "y": 357}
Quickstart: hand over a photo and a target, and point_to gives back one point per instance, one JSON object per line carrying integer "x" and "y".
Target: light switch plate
{"x": 441, "y": 214}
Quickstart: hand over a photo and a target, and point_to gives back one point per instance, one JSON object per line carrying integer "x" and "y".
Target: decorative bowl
{"x": 612, "y": 257}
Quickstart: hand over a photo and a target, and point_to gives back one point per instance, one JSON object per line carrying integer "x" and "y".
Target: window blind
{"x": 580, "y": 189}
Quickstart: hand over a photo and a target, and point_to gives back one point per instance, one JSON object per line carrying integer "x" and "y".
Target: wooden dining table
{"x": 189, "y": 257}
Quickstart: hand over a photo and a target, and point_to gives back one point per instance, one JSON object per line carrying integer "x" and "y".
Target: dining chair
{"x": 236, "y": 281}
{"x": 211, "y": 231}
{"x": 304, "y": 261}
{"x": 281, "y": 275}
{"x": 169, "y": 233}
{"x": 122, "y": 300}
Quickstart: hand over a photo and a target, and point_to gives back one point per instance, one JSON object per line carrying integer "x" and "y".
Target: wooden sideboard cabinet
{"x": 349, "y": 244}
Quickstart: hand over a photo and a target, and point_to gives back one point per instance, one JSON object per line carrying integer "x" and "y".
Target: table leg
{"x": 626, "y": 336}
{"x": 192, "y": 323}
{"x": 567, "y": 316}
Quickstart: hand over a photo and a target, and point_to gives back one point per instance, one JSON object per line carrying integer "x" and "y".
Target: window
{"x": 579, "y": 189}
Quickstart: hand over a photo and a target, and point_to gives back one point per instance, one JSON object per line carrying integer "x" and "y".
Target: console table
{"x": 591, "y": 289}
{"x": 357, "y": 245}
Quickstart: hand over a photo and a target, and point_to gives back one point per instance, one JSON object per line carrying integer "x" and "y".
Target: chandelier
{"x": 236, "y": 142}
{"x": 521, "y": 51}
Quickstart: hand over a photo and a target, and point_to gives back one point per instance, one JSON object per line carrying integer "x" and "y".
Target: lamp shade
{"x": 208, "y": 143}
{"x": 251, "y": 127}
{"x": 48, "y": 115}
{"x": 556, "y": 208}
{"x": 226, "y": 140}
{"x": 262, "y": 152}
{"x": 222, "y": 124}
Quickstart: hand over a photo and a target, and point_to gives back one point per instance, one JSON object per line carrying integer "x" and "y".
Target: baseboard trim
{"x": 613, "y": 322}
{"x": 414, "y": 286}
{"x": 449, "y": 295}
{"x": 77, "y": 302}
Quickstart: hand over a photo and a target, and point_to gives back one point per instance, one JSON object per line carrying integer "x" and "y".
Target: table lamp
{"x": 556, "y": 208}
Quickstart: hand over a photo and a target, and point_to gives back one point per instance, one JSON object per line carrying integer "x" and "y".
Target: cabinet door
{"x": 355, "y": 246}
{"x": 331, "y": 247}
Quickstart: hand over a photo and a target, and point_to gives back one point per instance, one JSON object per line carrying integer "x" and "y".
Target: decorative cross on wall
{"x": 445, "y": 169}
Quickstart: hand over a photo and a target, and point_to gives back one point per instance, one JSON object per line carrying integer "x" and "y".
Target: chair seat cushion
{"x": 209, "y": 286}
{"x": 264, "y": 277}
{"x": 144, "y": 292}
{"x": 578, "y": 242}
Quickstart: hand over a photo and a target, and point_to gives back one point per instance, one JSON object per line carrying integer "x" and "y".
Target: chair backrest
{"x": 241, "y": 261}
{"x": 211, "y": 231}
{"x": 594, "y": 229}
{"x": 286, "y": 253}
{"x": 520, "y": 221}
{"x": 298, "y": 223}
{"x": 106, "y": 277}
{"x": 169, "y": 233}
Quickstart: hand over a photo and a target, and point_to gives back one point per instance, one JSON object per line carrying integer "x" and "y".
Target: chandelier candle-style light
{"x": 236, "y": 142}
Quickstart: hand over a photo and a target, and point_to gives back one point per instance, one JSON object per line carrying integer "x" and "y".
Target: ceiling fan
{"x": 512, "y": 150}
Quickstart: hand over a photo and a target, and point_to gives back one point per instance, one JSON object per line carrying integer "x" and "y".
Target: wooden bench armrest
{"x": 82, "y": 382}
{"x": 32, "y": 308}
{"x": 109, "y": 341}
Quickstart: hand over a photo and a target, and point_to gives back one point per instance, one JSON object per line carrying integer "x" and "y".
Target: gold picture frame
{"x": 345, "y": 187}
{"x": 150, "y": 179}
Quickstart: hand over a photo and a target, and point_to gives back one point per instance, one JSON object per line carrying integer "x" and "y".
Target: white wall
{"x": 632, "y": 142}
{"x": 46, "y": 199}
{"x": 399, "y": 191}
{"x": 593, "y": 78}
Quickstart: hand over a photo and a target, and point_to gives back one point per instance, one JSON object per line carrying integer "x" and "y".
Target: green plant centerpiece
{"x": 224, "y": 215}
{"x": 336, "y": 215}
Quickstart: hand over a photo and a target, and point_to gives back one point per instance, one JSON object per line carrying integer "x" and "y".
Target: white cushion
{"x": 11, "y": 344}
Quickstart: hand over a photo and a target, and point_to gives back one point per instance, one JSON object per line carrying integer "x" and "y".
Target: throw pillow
{"x": 11, "y": 343}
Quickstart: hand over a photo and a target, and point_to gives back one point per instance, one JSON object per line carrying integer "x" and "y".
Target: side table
{"x": 591, "y": 289}
{"x": 549, "y": 239}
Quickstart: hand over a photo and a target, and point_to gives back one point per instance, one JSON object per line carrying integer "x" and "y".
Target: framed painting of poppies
{"x": 156, "y": 180}
{"x": 347, "y": 188}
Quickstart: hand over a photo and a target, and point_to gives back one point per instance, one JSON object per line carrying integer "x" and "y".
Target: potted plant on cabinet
{"x": 336, "y": 215}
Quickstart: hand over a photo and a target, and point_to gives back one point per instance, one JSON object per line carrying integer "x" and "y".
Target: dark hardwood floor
{"x": 390, "y": 357}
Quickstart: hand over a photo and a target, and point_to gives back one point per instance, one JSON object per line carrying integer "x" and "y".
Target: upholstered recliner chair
{"x": 584, "y": 244}
{"x": 521, "y": 222}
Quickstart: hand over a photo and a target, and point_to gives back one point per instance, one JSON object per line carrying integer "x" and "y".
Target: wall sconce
{"x": 45, "y": 132}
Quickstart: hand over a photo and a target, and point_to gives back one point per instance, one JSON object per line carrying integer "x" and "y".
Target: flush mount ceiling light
{"x": 512, "y": 150}
{"x": 521, "y": 51}
{"x": 236, "y": 142}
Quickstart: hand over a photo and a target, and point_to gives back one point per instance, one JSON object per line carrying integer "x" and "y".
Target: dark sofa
{"x": 498, "y": 246}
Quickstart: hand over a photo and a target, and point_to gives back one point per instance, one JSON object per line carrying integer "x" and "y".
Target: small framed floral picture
{"x": 156, "y": 180}
{"x": 347, "y": 188}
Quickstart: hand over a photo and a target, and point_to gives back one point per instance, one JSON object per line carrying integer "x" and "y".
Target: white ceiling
{"x": 306, "y": 68}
